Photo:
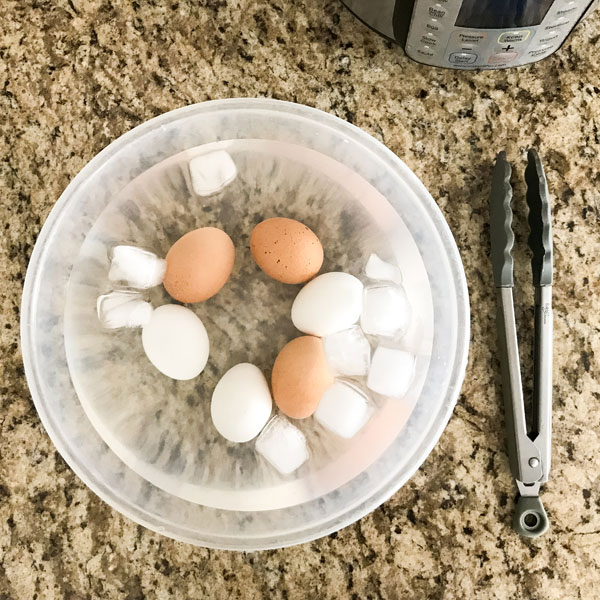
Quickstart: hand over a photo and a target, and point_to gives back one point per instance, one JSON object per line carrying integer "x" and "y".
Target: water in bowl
{"x": 161, "y": 428}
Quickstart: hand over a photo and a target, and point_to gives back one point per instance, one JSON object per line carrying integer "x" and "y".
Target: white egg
{"x": 175, "y": 341}
{"x": 241, "y": 403}
{"x": 329, "y": 303}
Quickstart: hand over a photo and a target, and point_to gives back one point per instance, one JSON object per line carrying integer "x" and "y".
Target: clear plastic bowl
{"x": 145, "y": 443}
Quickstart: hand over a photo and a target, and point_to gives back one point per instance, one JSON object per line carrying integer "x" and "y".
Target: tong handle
{"x": 542, "y": 377}
{"x": 523, "y": 454}
{"x": 540, "y": 242}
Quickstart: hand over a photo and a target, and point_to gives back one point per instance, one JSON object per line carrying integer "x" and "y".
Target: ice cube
{"x": 283, "y": 445}
{"x": 386, "y": 311}
{"x": 382, "y": 271}
{"x": 344, "y": 409}
{"x": 136, "y": 267}
{"x": 211, "y": 172}
{"x": 348, "y": 352}
{"x": 123, "y": 309}
{"x": 391, "y": 371}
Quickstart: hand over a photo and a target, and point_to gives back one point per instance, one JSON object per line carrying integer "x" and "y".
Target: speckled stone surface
{"x": 76, "y": 74}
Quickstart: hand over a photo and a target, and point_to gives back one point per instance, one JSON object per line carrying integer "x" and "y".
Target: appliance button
{"x": 513, "y": 37}
{"x": 462, "y": 58}
{"x": 434, "y": 25}
{"x": 558, "y": 23}
{"x": 426, "y": 51}
{"x": 437, "y": 11}
{"x": 502, "y": 57}
{"x": 549, "y": 37}
{"x": 470, "y": 37}
{"x": 429, "y": 39}
{"x": 540, "y": 50}
{"x": 566, "y": 9}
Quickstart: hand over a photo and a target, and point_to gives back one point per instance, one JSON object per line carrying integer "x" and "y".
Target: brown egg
{"x": 286, "y": 250}
{"x": 199, "y": 264}
{"x": 300, "y": 377}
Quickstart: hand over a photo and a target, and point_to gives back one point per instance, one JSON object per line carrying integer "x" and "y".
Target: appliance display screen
{"x": 502, "y": 14}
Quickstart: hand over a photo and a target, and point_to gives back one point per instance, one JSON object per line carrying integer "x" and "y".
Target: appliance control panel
{"x": 489, "y": 34}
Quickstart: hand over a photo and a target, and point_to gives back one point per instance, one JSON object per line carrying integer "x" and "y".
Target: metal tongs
{"x": 529, "y": 451}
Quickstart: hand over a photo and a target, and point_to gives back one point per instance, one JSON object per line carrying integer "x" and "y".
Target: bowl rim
{"x": 456, "y": 376}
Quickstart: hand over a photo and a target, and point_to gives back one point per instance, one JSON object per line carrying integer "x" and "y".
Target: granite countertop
{"x": 76, "y": 74}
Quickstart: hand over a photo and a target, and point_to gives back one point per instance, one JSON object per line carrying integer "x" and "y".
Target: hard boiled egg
{"x": 329, "y": 303}
{"x": 241, "y": 403}
{"x": 199, "y": 264}
{"x": 175, "y": 341}
{"x": 286, "y": 250}
{"x": 300, "y": 377}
